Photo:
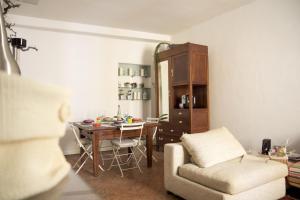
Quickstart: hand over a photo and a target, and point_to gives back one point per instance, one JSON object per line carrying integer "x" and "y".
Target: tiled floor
{"x": 135, "y": 186}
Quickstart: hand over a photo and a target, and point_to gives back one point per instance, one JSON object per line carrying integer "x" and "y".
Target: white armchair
{"x": 244, "y": 178}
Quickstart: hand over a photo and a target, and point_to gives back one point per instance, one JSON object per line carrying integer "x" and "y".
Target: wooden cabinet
{"x": 187, "y": 86}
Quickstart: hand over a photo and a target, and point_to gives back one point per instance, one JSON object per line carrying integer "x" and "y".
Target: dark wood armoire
{"x": 182, "y": 91}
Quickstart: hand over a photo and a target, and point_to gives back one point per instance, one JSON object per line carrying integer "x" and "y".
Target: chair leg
{"x": 112, "y": 162}
{"x": 81, "y": 165}
{"x": 78, "y": 160}
{"x": 142, "y": 154}
{"x": 155, "y": 159}
{"x": 136, "y": 161}
{"x": 118, "y": 163}
{"x": 115, "y": 152}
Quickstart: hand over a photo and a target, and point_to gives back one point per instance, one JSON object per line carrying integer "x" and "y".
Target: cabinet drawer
{"x": 180, "y": 118}
{"x": 163, "y": 139}
{"x": 181, "y": 114}
{"x": 177, "y": 131}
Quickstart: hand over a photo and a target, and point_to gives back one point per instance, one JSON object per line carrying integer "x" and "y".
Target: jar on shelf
{"x": 130, "y": 71}
{"x": 142, "y": 72}
{"x": 139, "y": 95}
{"x": 145, "y": 95}
{"x": 121, "y": 71}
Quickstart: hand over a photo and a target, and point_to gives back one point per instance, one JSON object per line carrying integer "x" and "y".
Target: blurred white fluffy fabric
{"x": 32, "y": 119}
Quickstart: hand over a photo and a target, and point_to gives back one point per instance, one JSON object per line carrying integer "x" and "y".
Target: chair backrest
{"x": 75, "y": 134}
{"x": 131, "y": 127}
{"x": 153, "y": 120}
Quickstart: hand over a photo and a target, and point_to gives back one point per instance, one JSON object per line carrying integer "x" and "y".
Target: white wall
{"x": 254, "y": 60}
{"x": 85, "y": 63}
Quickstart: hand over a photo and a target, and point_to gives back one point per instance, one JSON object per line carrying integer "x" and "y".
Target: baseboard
{"x": 71, "y": 151}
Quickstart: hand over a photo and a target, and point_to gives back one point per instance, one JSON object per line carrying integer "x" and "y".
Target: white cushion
{"x": 32, "y": 119}
{"x": 124, "y": 143}
{"x": 212, "y": 147}
{"x": 236, "y": 175}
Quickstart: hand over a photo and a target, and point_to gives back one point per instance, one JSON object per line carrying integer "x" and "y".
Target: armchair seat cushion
{"x": 236, "y": 175}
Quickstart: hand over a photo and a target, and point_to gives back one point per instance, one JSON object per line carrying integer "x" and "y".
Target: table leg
{"x": 96, "y": 154}
{"x": 149, "y": 145}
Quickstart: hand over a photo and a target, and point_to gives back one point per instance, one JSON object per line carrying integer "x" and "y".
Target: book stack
{"x": 294, "y": 174}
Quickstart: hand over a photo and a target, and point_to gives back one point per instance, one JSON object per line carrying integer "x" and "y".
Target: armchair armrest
{"x": 175, "y": 155}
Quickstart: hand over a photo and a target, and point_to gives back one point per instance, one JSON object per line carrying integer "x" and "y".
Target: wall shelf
{"x": 133, "y": 79}
{"x": 134, "y": 70}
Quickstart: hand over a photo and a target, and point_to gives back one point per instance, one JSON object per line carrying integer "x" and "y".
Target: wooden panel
{"x": 200, "y": 93}
{"x": 199, "y": 120}
{"x": 180, "y": 70}
{"x": 199, "y": 71}
{"x": 174, "y": 50}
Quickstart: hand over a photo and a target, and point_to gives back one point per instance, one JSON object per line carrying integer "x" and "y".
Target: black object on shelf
{"x": 266, "y": 146}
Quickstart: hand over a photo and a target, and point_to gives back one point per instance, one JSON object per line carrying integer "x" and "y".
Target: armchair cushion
{"x": 236, "y": 175}
{"x": 212, "y": 147}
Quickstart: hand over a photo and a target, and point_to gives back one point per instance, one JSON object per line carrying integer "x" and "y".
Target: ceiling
{"x": 156, "y": 16}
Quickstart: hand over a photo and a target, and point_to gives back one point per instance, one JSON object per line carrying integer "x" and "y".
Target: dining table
{"x": 111, "y": 131}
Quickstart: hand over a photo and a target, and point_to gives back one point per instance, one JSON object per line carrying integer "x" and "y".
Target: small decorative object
{"x": 122, "y": 97}
{"x": 279, "y": 151}
{"x": 8, "y": 58}
{"x": 145, "y": 95}
{"x": 141, "y": 85}
{"x": 127, "y": 84}
{"x": 8, "y": 62}
{"x": 133, "y": 95}
{"x": 129, "y": 119}
{"x": 139, "y": 95}
{"x": 133, "y": 85}
{"x": 107, "y": 119}
{"x": 294, "y": 156}
{"x": 134, "y": 120}
{"x": 88, "y": 121}
{"x": 119, "y": 115}
{"x": 130, "y": 72}
{"x": 137, "y": 73}
{"x": 96, "y": 124}
{"x": 142, "y": 72}
{"x": 181, "y": 105}
{"x": 266, "y": 146}
{"x": 121, "y": 71}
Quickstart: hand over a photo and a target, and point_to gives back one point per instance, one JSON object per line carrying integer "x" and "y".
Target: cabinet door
{"x": 199, "y": 68}
{"x": 180, "y": 69}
